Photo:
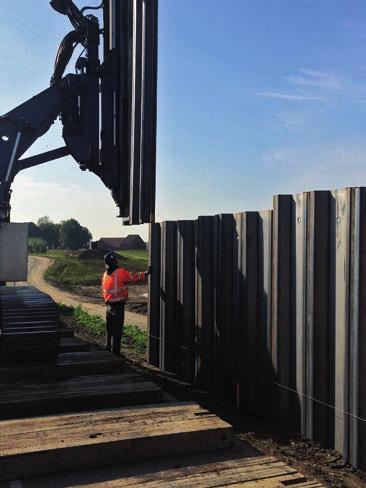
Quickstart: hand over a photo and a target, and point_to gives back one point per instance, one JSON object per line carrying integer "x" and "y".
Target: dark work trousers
{"x": 114, "y": 325}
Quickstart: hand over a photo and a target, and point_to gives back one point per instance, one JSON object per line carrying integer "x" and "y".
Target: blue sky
{"x": 255, "y": 98}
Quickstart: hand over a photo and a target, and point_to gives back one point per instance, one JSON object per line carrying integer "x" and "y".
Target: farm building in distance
{"x": 129, "y": 243}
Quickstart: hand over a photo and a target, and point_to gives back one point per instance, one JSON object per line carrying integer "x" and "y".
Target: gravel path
{"x": 37, "y": 267}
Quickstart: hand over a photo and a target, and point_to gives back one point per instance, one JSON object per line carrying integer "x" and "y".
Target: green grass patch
{"x": 133, "y": 337}
{"x": 69, "y": 271}
{"x": 94, "y": 324}
{"x": 136, "y": 260}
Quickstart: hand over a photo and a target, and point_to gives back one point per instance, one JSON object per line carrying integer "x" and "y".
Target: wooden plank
{"x": 66, "y": 331}
{"x": 73, "y": 344}
{"x": 278, "y": 482}
{"x": 86, "y": 363}
{"x": 225, "y": 477}
{"x": 138, "y": 412}
{"x": 233, "y": 467}
{"x": 81, "y": 393}
{"x": 46, "y": 445}
{"x": 66, "y": 366}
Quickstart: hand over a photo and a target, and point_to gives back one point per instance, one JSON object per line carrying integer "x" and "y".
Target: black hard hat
{"x": 110, "y": 258}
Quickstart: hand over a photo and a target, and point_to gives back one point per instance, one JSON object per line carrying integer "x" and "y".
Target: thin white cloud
{"x": 315, "y": 85}
{"x": 317, "y": 79}
{"x": 293, "y": 97}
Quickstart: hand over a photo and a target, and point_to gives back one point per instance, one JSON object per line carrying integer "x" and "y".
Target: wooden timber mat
{"x": 235, "y": 467}
{"x": 55, "y": 444}
{"x": 67, "y": 331}
{"x": 81, "y": 393}
{"x": 65, "y": 366}
{"x": 73, "y": 344}
{"x": 165, "y": 445}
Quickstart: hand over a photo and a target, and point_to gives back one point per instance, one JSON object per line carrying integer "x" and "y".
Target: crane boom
{"x": 107, "y": 109}
{"x": 108, "y": 112}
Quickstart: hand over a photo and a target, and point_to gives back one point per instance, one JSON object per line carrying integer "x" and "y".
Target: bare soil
{"x": 137, "y": 296}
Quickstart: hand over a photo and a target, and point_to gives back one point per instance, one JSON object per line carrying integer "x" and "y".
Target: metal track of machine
{"x": 30, "y": 325}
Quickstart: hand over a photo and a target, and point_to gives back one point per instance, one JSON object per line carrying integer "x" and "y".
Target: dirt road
{"x": 37, "y": 267}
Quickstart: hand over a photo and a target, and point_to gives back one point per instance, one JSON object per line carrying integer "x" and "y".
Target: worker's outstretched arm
{"x": 137, "y": 277}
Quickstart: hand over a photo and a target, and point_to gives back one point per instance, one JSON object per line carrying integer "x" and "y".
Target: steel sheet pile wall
{"x": 267, "y": 311}
{"x": 204, "y": 304}
{"x": 129, "y": 106}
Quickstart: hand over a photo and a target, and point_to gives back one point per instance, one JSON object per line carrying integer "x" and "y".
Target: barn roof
{"x": 119, "y": 241}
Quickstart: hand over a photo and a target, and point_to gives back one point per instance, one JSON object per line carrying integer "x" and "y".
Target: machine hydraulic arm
{"x": 107, "y": 107}
{"x": 74, "y": 98}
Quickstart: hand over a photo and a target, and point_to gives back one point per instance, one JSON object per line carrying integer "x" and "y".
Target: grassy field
{"x": 68, "y": 270}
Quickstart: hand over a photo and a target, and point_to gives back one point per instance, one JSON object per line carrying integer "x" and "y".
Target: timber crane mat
{"x": 29, "y": 326}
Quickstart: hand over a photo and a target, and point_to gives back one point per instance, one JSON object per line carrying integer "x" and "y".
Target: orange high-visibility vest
{"x": 114, "y": 286}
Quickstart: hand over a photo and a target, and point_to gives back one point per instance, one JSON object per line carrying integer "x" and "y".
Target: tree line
{"x": 68, "y": 234}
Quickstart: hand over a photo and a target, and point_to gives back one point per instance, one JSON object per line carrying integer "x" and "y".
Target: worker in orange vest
{"x": 115, "y": 295}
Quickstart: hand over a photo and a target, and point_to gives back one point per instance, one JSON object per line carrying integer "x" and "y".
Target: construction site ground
{"x": 301, "y": 456}
{"x": 91, "y": 419}
{"x": 312, "y": 459}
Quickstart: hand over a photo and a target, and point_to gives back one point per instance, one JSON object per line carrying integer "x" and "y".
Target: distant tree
{"x": 73, "y": 235}
{"x": 49, "y": 232}
{"x": 44, "y": 220}
{"x": 37, "y": 245}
